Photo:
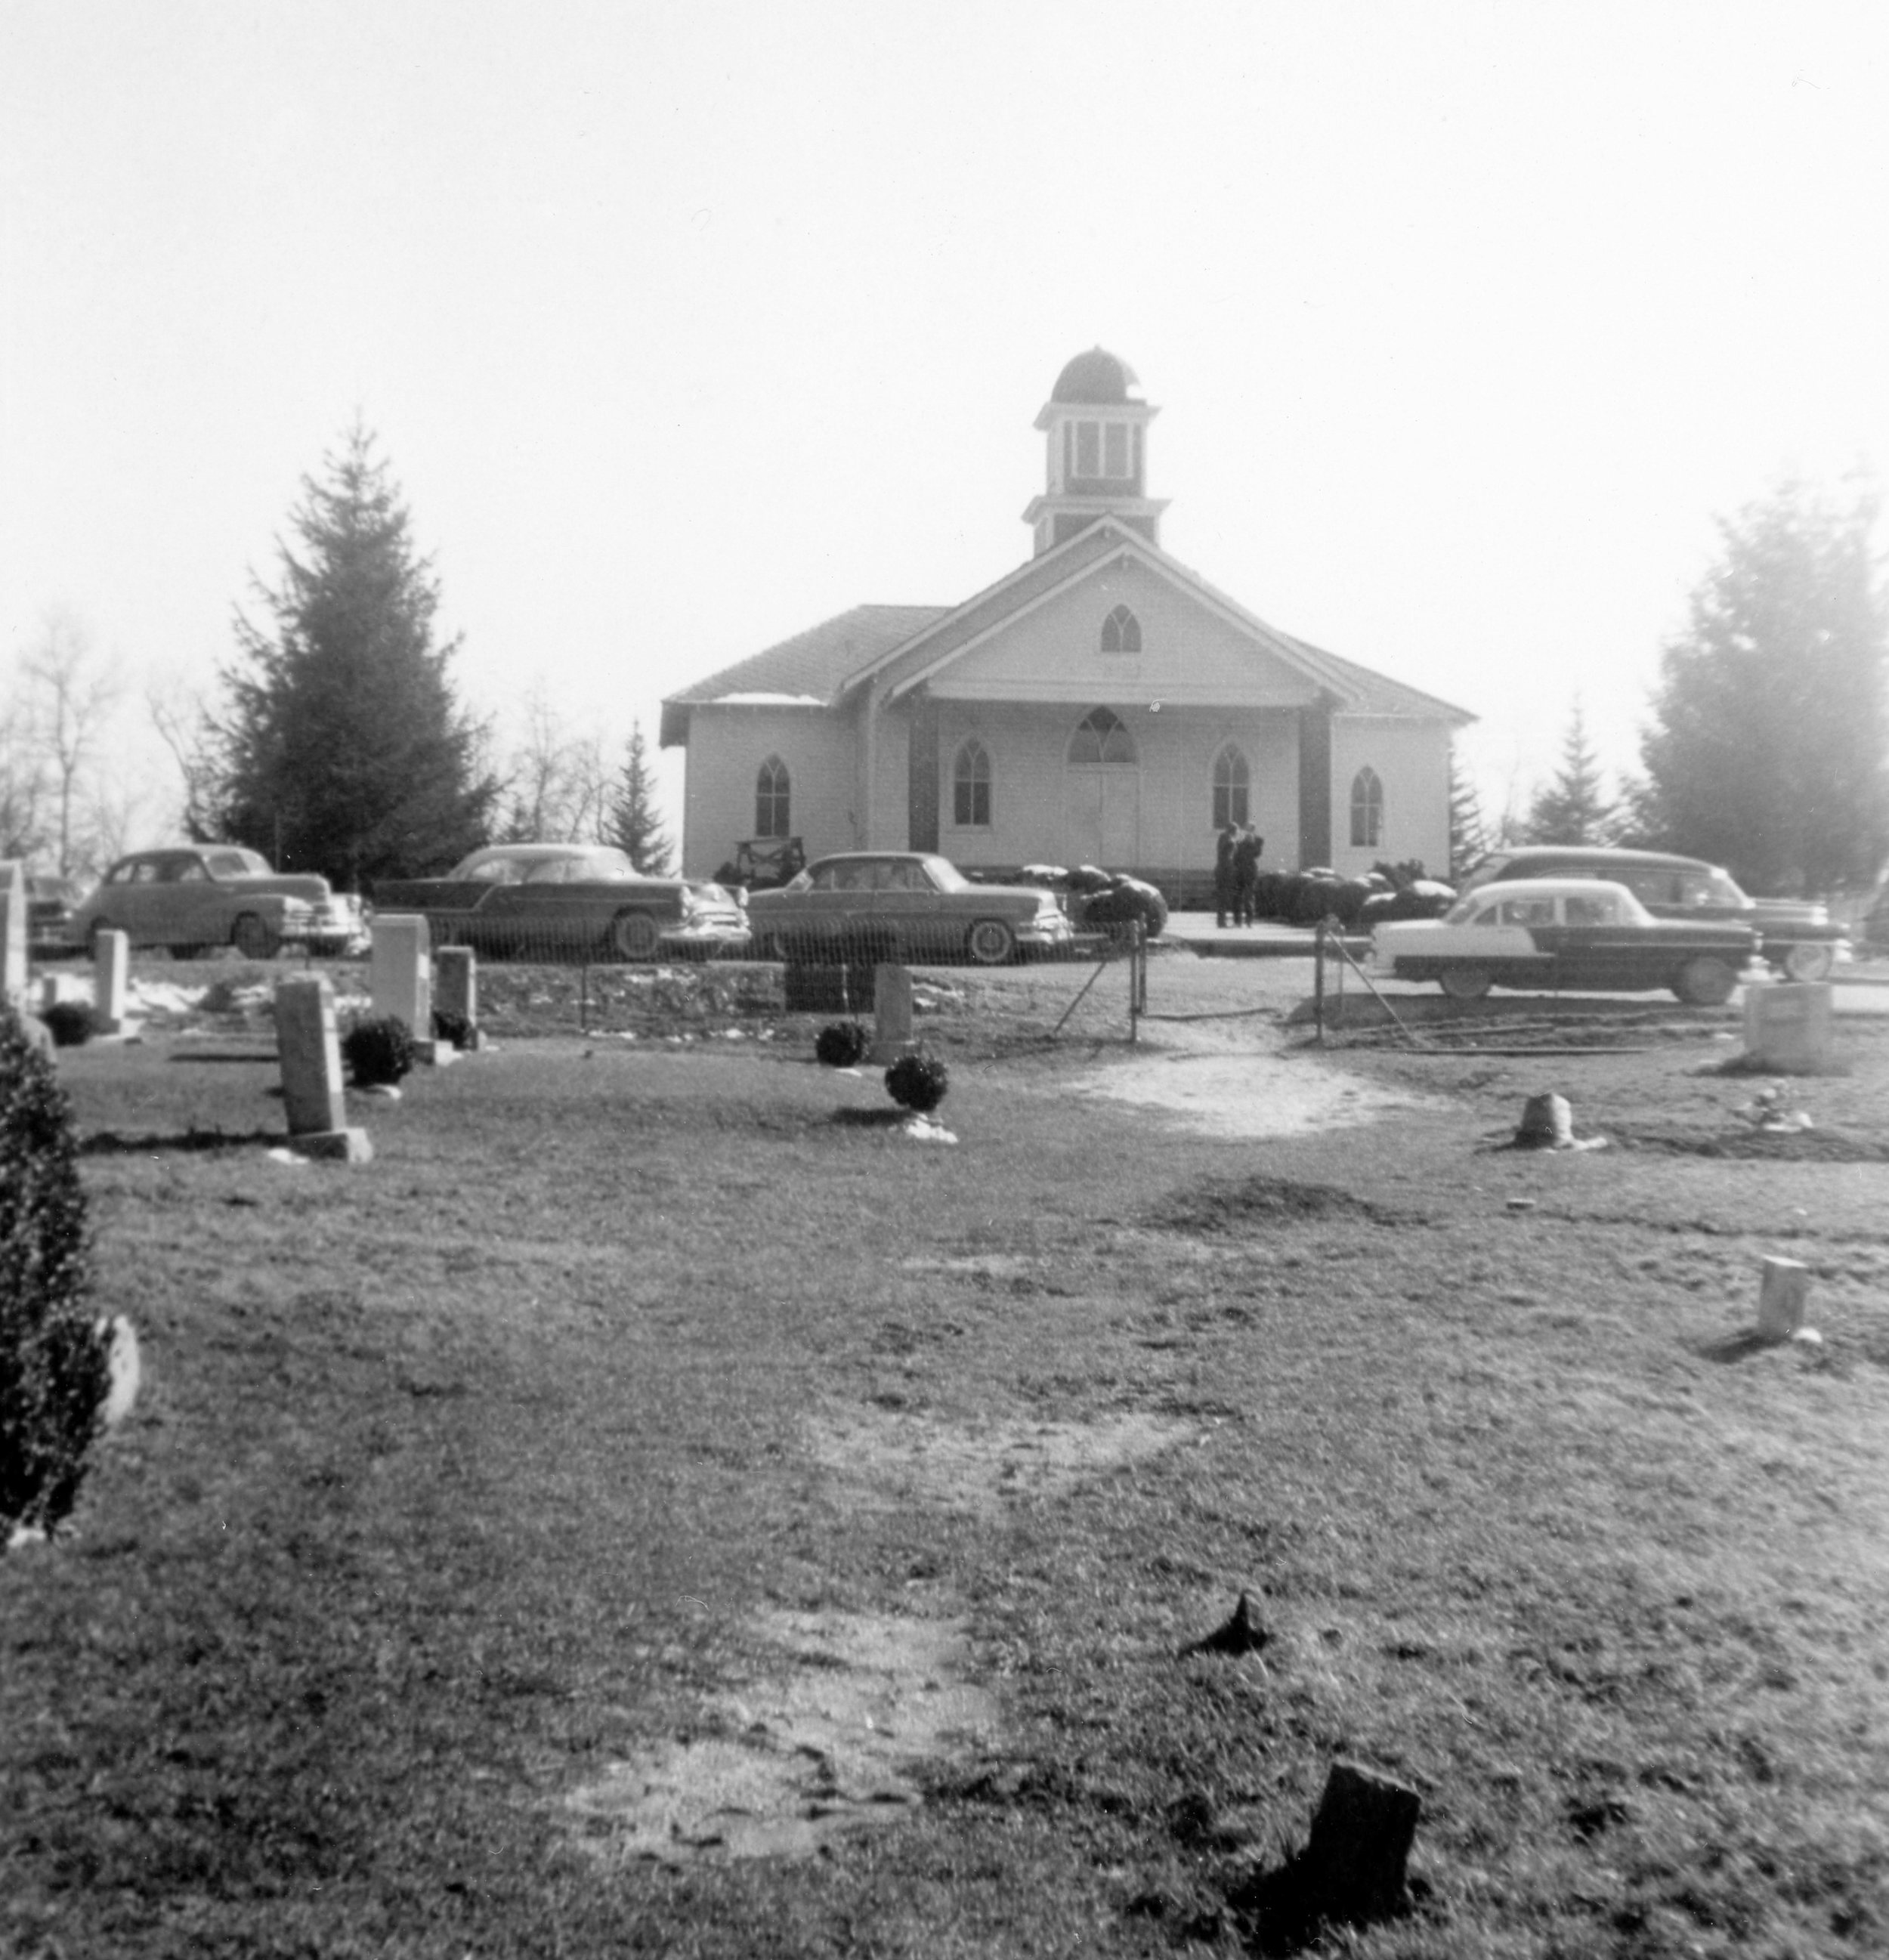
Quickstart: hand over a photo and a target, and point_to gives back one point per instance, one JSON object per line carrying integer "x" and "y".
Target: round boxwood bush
{"x": 453, "y": 1027}
{"x": 378, "y": 1051}
{"x": 918, "y": 1081}
{"x": 841, "y": 1045}
{"x": 71, "y": 1024}
{"x": 55, "y": 1355}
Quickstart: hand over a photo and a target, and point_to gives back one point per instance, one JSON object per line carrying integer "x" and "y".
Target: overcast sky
{"x": 685, "y": 326}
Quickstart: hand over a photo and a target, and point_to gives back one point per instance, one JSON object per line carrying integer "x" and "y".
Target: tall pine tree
{"x": 635, "y": 826}
{"x": 1766, "y": 753}
{"x": 1571, "y": 809}
{"x": 1468, "y": 834}
{"x": 346, "y": 752}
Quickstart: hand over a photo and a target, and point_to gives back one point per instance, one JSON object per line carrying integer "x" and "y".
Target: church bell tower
{"x": 1097, "y": 462}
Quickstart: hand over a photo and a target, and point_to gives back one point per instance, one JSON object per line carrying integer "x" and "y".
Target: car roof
{"x": 1549, "y": 888}
{"x": 538, "y": 850}
{"x": 1595, "y": 854}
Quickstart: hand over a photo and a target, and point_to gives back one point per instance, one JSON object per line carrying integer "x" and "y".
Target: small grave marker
{"x": 12, "y": 933}
{"x": 1360, "y": 1840}
{"x": 310, "y": 1050}
{"x": 1783, "y": 1291}
{"x": 1787, "y": 1024}
{"x": 891, "y": 1014}
{"x": 456, "y": 984}
{"x": 111, "y": 981}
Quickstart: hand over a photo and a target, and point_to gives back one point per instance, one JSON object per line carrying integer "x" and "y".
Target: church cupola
{"x": 1097, "y": 434}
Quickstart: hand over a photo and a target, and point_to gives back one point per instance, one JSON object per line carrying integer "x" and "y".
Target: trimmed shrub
{"x": 841, "y": 1043}
{"x": 455, "y": 1028}
{"x": 54, "y": 1355}
{"x": 378, "y": 1051}
{"x": 71, "y": 1024}
{"x": 918, "y": 1081}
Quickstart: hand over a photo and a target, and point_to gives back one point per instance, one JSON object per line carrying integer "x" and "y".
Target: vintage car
{"x": 192, "y": 897}
{"x": 860, "y": 905}
{"x": 569, "y": 902}
{"x": 1801, "y": 941}
{"x": 1583, "y": 935}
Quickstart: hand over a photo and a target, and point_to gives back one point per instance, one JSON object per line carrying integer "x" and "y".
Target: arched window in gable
{"x": 1231, "y": 780}
{"x": 1103, "y": 737}
{"x": 1367, "y": 810}
{"x": 772, "y": 806}
{"x": 971, "y": 787}
{"x": 1121, "y": 632}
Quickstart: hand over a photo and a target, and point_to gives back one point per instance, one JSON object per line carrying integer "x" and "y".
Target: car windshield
{"x": 946, "y": 875}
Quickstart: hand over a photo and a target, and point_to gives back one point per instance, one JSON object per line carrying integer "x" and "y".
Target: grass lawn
{"x": 466, "y": 1481}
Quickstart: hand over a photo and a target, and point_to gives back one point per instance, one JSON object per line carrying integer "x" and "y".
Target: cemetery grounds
{"x": 660, "y": 1506}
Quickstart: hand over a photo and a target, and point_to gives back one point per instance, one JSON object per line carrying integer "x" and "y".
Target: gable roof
{"x": 812, "y": 666}
{"x": 821, "y": 666}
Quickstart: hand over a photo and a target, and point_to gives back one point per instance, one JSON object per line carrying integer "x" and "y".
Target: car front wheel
{"x": 254, "y": 937}
{"x": 1465, "y": 983}
{"x": 635, "y": 936}
{"x": 1706, "y": 982}
{"x": 1809, "y": 962}
{"x": 991, "y": 943}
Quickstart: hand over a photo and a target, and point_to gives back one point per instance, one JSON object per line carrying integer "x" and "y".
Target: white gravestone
{"x": 400, "y": 975}
{"x": 310, "y": 1050}
{"x": 891, "y": 1014}
{"x": 1787, "y": 1024}
{"x": 12, "y": 933}
{"x": 111, "y": 981}
{"x": 1783, "y": 1291}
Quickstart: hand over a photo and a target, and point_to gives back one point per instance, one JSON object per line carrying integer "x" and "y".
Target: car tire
{"x": 635, "y": 936}
{"x": 1465, "y": 983}
{"x": 1809, "y": 962}
{"x": 192, "y": 951}
{"x": 254, "y": 937}
{"x": 1706, "y": 982}
{"x": 991, "y": 943}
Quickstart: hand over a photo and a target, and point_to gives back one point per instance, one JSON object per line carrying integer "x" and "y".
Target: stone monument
{"x": 111, "y": 981}
{"x": 12, "y": 933}
{"x": 310, "y": 1050}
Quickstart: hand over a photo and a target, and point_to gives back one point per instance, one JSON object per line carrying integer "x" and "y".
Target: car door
{"x": 196, "y": 910}
{"x": 134, "y": 901}
{"x": 909, "y": 906}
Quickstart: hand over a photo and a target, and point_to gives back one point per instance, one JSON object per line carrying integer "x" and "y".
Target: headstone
{"x": 12, "y": 933}
{"x": 456, "y": 984}
{"x": 1787, "y": 1024}
{"x": 891, "y": 1014}
{"x": 1783, "y": 1292}
{"x": 1547, "y": 1124}
{"x": 400, "y": 979}
{"x": 111, "y": 978}
{"x": 125, "y": 1368}
{"x": 1360, "y": 1840}
{"x": 310, "y": 1050}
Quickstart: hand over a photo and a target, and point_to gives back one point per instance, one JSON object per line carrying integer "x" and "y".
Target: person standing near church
{"x": 1225, "y": 879}
{"x": 1246, "y": 874}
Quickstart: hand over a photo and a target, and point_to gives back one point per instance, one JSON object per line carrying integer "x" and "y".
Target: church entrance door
{"x": 1102, "y": 816}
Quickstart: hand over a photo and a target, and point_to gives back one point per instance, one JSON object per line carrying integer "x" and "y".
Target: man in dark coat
{"x": 1246, "y": 874}
{"x": 1226, "y": 879}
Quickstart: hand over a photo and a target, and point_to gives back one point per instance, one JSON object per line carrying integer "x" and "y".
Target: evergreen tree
{"x": 346, "y": 751}
{"x": 635, "y": 825}
{"x": 1571, "y": 809}
{"x": 1468, "y": 836}
{"x": 1766, "y": 753}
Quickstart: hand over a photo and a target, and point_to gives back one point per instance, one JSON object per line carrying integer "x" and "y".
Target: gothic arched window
{"x": 1367, "y": 810}
{"x": 771, "y": 808}
{"x": 971, "y": 787}
{"x": 1121, "y": 632}
{"x": 1103, "y": 737}
{"x": 1231, "y": 781}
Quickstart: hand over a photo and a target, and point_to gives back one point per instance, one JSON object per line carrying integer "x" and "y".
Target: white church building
{"x": 1102, "y": 705}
